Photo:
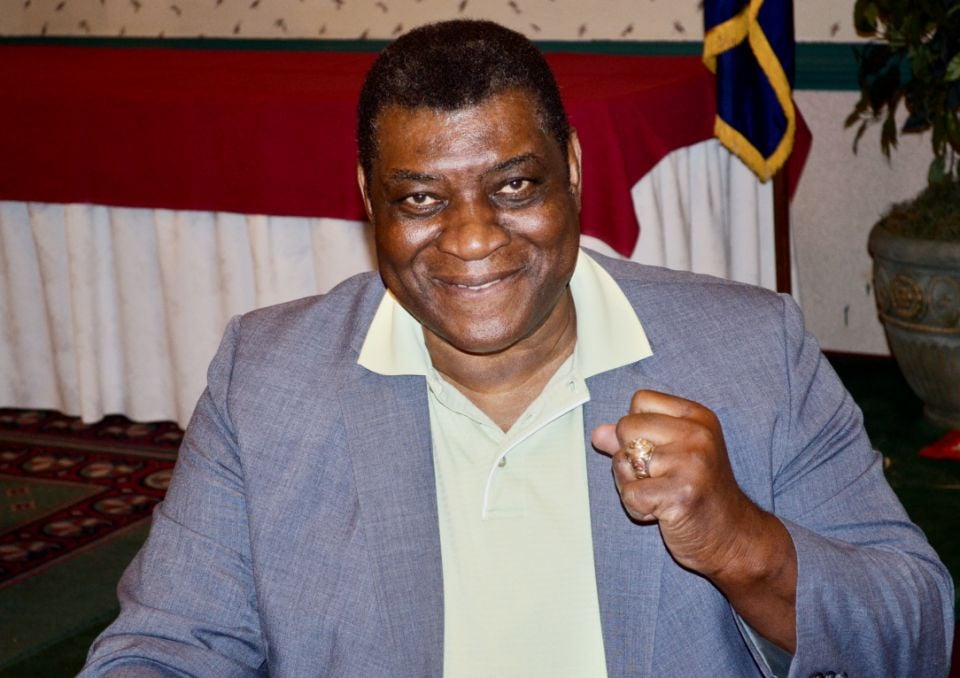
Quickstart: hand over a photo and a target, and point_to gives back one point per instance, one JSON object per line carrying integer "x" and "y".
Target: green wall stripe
{"x": 820, "y": 66}
{"x": 827, "y": 66}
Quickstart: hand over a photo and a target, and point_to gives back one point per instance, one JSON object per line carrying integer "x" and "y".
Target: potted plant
{"x": 913, "y": 63}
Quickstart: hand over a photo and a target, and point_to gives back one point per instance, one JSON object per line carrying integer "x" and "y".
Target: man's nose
{"x": 472, "y": 230}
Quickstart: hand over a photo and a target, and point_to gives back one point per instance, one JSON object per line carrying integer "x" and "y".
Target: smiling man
{"x": 504, "y": 456}
{"x": 475, "y": 214}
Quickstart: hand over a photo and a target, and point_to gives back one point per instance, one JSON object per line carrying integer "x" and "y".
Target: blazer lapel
{"x": 628, "y": 556}
{"x": 388, "y": 438}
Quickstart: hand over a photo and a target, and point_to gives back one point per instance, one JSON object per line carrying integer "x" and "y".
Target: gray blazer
{"x": 299, "y": 536}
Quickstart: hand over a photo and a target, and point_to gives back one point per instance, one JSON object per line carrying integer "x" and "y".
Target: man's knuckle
{"x": 702, "y": 439}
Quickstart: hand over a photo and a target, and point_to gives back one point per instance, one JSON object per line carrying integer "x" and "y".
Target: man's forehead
{"x": 521, "y": 98}
{"x": 428, "y": 153}
{"x": 512, "y": 115}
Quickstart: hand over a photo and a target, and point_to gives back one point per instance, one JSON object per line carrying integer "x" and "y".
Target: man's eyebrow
{"x": 411, "y": 175}
{"x": 513, "y": 162}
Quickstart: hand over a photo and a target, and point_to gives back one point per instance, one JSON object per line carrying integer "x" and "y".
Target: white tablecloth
{"x": 114, "y": 310}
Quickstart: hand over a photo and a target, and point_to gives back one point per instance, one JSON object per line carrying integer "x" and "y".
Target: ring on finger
{"x": 639, "y": 452}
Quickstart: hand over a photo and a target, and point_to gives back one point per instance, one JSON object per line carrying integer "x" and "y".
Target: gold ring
{"x": 640, "y": 451}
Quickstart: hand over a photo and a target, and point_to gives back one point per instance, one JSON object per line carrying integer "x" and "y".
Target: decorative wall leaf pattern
{"x": 817, "y": 20}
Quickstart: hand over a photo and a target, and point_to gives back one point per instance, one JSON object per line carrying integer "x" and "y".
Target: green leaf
{"x": 953, "y": 69}
{"x": 888, "y": 135}
{"x": 884, "y": 89}
{"x": 953, "y": 96}
{"x": 916, "y": 122}
{"x": 865, "y": 17}
{"x": 937, "y": 172}
{"x": 856, "y": 114}
{"x": 938, "y": 137}
{"x": 860, "y": 131}
{"x": 912, "y": 28}
{"x": 953, "y": 130}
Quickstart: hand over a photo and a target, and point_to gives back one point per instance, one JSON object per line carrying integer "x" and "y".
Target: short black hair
{"x": 451, "y": 65}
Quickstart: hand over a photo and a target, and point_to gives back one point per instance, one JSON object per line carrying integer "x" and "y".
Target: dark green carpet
{"x": 929, "y": 489}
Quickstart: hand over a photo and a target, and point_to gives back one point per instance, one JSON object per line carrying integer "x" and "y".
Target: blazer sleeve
{"x": 188, "y": 598}
{"x": 873, "y": 598}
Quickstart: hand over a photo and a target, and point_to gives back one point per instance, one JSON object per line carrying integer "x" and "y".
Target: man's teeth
{"x": 480, "y": 287}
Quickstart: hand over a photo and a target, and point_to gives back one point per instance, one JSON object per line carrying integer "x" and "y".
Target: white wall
{"x": 840, "y": 195}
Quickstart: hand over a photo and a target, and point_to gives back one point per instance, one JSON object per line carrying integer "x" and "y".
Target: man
{"x": 402, "y": 483}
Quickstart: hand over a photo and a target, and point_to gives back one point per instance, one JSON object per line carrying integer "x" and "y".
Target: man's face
{"x": 476, "y": 218}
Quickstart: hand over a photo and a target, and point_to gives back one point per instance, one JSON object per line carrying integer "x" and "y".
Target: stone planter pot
{"x": 917, "y": 288}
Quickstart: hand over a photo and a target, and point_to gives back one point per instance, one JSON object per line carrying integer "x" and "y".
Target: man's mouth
{"x": 478, "y": 287}
{"x": 476, "y": 282}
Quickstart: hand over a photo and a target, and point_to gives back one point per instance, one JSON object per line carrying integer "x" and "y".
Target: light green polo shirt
{"x": 520, "y": 593}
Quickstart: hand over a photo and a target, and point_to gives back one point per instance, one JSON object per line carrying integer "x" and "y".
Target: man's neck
{"x": 503, "y": 384}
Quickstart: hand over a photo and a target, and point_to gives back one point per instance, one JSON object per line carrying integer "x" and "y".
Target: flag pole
{"x": 781, "y": 230}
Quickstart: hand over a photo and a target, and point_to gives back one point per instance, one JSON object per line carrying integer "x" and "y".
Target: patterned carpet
{"x": 75, "y": 500}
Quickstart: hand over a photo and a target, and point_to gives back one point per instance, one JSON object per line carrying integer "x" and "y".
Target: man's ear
{"x": 364, "y": 192}
{"x": 574, "y": 167}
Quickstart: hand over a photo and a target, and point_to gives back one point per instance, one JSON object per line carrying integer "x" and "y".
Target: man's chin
{"x": 477, "y": 343}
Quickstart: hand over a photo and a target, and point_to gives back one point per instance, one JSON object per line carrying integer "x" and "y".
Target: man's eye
{"x": 515, "y": 186}
{"x": 420, "y": 200}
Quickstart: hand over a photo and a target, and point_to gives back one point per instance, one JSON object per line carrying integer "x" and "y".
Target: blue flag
{"x": 749, "y": 45}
